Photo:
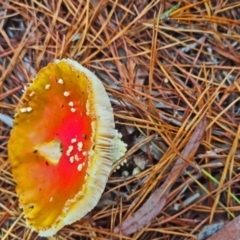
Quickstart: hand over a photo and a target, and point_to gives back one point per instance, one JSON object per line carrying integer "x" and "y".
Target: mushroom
{"x": 62, "y": 146}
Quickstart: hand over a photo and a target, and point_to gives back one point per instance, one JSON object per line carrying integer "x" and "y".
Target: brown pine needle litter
{"x": 172, "y": 72}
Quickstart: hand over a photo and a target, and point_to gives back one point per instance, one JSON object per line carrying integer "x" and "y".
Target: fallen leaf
{"x": 151, "y": 208}
{"x": 231, "y": 231}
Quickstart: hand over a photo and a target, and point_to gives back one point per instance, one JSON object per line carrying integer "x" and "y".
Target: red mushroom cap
{"x": 62, "y": 146}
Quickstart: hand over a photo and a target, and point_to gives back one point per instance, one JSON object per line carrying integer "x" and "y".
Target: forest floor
{"x": 172, "y": 72}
